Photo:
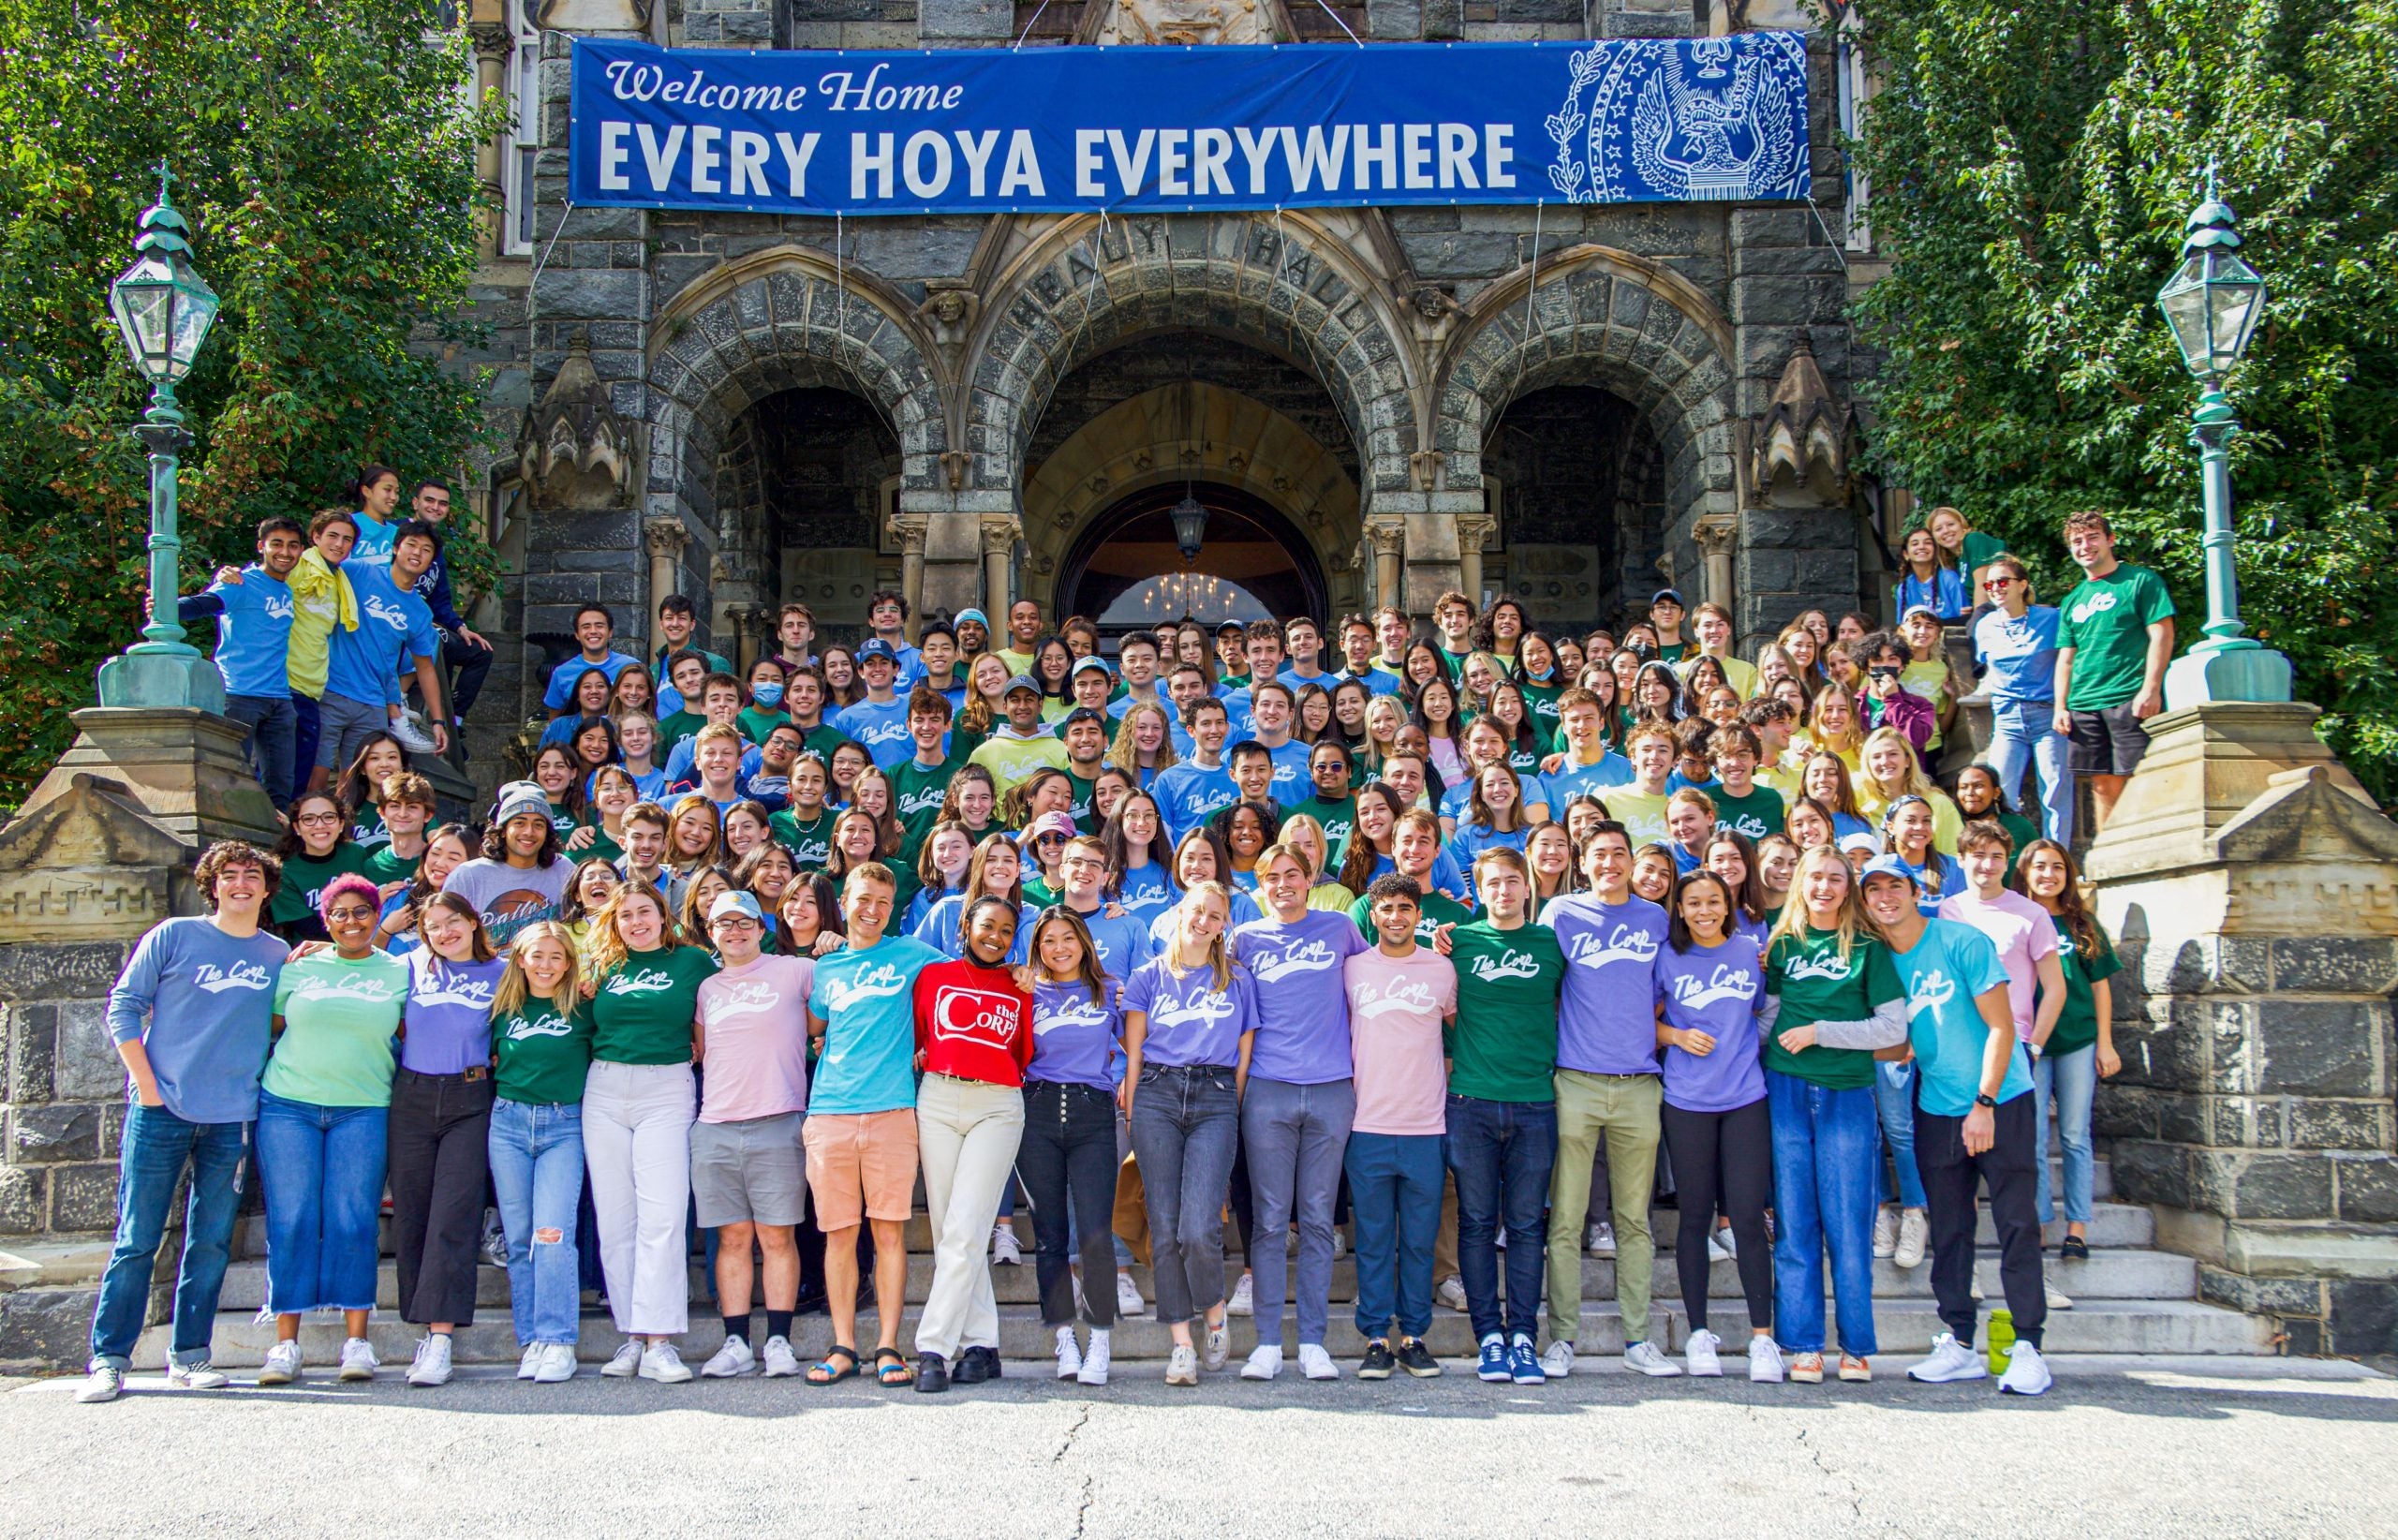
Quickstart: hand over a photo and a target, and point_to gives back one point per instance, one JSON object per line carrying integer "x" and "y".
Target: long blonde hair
{"x": 516, "y": 985}
{"x": 1126, "y": 755}
{"x": 1219, "y": 955}
{"x": 1915, "y": 781}
{"x": 1792, "y": 926}
{"x": 1849, "y": 744}
{"x": 608, "y": 943}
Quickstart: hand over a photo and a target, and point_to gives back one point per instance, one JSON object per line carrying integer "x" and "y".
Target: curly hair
{"x": 234, "y": 853}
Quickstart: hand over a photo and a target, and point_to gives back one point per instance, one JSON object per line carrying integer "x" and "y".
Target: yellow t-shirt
{"x": 1018, "y": 663}
{"x": 320, "y": 599}
{"x": 1643, "y": 817}
{"x": 1947, "y": 822}
{"x": 1011, "y": 760}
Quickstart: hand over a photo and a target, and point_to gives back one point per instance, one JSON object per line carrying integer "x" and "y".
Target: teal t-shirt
{"x": 339, "y": 1019}
{"x": 2105, "y": 621}
{"x": 641, "y": 1012}
{"x": 1951, "y": 963}
{"x": 867, "y": 999}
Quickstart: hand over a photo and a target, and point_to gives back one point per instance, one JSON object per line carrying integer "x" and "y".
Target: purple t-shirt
{"x": 1715, "y": 989}
{"x": 449, "y": 1015}
{"x": 1302, "y": 1004}
{"x": 1073, "y": 1040}
{"x": 1191, "y": 1021}
{"x": 1607, "y": 1021}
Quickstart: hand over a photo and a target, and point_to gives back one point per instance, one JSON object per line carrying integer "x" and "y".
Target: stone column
{"x": 998, "y": 552}
{"x": 1473, "y": 532}
{"x": 1388, "y": 537}
{"x": 2252, "y": 891}
{"x": 492, "y": 46}
{"x": 1717, "y": 539}
{"x": 910, "y": 529}
{"x": 665, "y": 539}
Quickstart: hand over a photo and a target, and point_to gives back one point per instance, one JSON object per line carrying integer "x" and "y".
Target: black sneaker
{"x": 1417, "y": 1360}
{"x": 1378, "y": 1362}
{"x": 812, "y": 1304}
{"x": 976, "y": 1364}
{"x": 2074, "y": 1250}
{"x": 932, "y": 1374}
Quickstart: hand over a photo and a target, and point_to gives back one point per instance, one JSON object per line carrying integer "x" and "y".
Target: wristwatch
{"x": 1991, "y": 1102}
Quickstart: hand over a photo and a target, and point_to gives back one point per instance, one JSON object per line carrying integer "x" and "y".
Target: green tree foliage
{"x": 324, "y": 152}
{"x": 2032, "y": 162}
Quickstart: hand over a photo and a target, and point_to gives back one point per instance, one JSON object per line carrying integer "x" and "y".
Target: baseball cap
{"x": 1664, "y": 596}
{"x": 876, "y": 647}
{"x": 1093, "y": 665}
{"x": 1849, "y": 844}
{"x": 1022, "y": 681}
{"x": 975, "y": 615}
{"x": 1234, "y": 626}
{"x": 735, "y": 902}
{"x": 1889, "y": 865}
{"x": 1080, "y": 714}
{"x": 519, "y": 796}
{"x": 1049, "y": 823}
{"x": 1915, "y": 609}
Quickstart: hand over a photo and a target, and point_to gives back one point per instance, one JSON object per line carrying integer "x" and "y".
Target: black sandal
{"x": 2075, "y": 1248}
{"x": 890, "y": 1368}
{"x": 828, "y": 1372}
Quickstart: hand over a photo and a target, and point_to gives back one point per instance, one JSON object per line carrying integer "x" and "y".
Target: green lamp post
{"x": 164, "y": 309}
{"x": 2213, "y": 304}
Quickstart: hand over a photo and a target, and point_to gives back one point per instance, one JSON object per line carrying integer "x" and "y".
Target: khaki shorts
{"x": 861, "y": 1164}
{"x": 748, "y": 1171}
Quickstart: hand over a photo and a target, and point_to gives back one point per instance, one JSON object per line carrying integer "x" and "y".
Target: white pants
{"x": 967, "y": 1135}
{"x": 637, "y": 1140}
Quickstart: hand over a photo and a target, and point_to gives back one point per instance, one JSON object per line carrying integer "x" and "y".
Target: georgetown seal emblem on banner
{"x": 1711, "y": 119}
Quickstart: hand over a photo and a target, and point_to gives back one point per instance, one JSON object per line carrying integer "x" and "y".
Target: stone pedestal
{"x": 184, "y": 768}
{"x": 2252, "y": 890}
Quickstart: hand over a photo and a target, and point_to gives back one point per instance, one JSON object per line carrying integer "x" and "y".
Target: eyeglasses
{"x": 1995, "y": 583}
{"x": 319, "y": 818}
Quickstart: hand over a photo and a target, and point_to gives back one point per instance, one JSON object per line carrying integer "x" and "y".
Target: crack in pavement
{"x": 1070, "y": 1432}
{"x": 1082, "y": 1513}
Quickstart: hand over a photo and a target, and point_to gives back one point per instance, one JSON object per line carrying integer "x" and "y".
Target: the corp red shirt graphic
{"x": 972, "y": 1022}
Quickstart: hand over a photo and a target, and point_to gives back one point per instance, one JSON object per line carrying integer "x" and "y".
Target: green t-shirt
{"x": 1815, "y": 985}
{"x": 305, "y": 877}
{"x": 2105, "y": 621}
{"x": 563, "y": 821}
{"x": 1502, "y": 1046}
{"x": 366, "y": 827}
{"x": 1455, "y": 661}
{"x": 641, "y": 1012}
{"x": 602, "y": 844}
{"x": 1542, "y": 701}
{"x": 543, "y": 1055}
{"x": 1337, "y": 819}
{"x": 1038, "y": 893}
{"x": 1674, "y": 652}
{"x": 384, "y": 867}
{"x": 2077, "y": 1028}
{"x": 1757, "y": 815}
{"x": 339, "y": 1019}
{"x": 1980, "y": 551}
{"x": 1079, "y": 809}
{"x": 811, "y": 843}
{"x": 672, "y": 729}
{"x": 755, "y": 724}
{"x": 822, "y": 739}
{"x": 1439, "y": 910}
{"x": 916, "y": 796}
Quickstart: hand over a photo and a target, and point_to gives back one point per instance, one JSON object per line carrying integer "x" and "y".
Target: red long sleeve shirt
{"x": 972, "y": 1022}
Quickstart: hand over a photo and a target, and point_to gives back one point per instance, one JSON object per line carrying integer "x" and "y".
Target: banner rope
{"x": 535, "y": 278}
{"x": 1539, "y": 210}
{"x": 1336, "y": 21}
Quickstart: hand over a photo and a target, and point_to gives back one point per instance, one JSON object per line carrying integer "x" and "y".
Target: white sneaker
{"x": 530, "y": 1364}
{"x": 105, "y": 1382}
{"x": 1070, "y": 1355}
{"x": 1716, "y": 1250}
{"x": 660, "y": 1362}
{"x": 1499, "y": 1239}
{"x": 780, "y": 1362}
{"x": 410, "y": 729}
{"x": 1915, "y": 1234}
{"x": 1558, "y": 1362}
{"x": 1950, "y": 1361}
{"x": 2027, "y": 1372}
{"x": 357, "y": 1360}
{"x": 431, "y": 1365}
{"x": 627, "y": 1363}
{"x": 282, "y": 1365}
{"x": 1765, "y": 1361}
{"x": 1724, "y": 1243}
{"x": 1127, "y": 1296}
{"x": 495, "y": 1240}
{"x": 1182, "y": 1366}
{"x": 200, "y": 1376}
{"x": 1265, "y": 1362}
{"x": 1978, "y": 1295}
{"x": 1218, "y": 1347}
{"x": 1340, "y": 1243}
{"x": 557, "y": 1363}
{"x": 1645, "y": 1357}
{"x": 2057, "y": 1299}
{"x": 732, "y": 1361}
{"x": 1885, "y": 1232}
{"x": 1005, "y": 1250}
{"x": 1244, "y": 1300}
{"x": 1452, "y": 1293}
{"x": 1095, "y": 1357}
{"x": 1700, "y": 1359}
{"x": 1316, "y": 1364}
{"x": 1600, "y": 1240}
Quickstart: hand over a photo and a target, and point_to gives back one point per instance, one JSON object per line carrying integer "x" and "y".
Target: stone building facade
{"x": 1576, "y": 403}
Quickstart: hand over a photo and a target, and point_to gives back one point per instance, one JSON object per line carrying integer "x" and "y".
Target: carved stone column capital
{"x": 1389, "y": 536}
{"x": 665, "y": 537}
{"x": 1714, "y": 537}
{"x": 909, "y": 529}
{"x": 1000, "y": 536}
{"x": 1475, "y": 531}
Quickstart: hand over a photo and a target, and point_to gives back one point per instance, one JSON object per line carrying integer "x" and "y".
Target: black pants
{"x": 468, "y": 665}
{"x": 1068, "y": 1166}
{"x": 2007, "y": 1168}
{"x": 1723, "y": 1159}
{"x": 440, "y": 1143}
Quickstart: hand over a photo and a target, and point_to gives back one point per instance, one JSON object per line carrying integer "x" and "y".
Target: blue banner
{"x": 1172, "y": 129}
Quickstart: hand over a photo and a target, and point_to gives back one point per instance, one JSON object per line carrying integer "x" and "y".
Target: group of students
{"x": 1438, "y": 933}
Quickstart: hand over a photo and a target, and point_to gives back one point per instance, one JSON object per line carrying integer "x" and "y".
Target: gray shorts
{"x": 752, "y": 1172}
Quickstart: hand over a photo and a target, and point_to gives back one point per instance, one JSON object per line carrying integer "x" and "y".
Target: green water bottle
{"x": 2001, "y": 1349}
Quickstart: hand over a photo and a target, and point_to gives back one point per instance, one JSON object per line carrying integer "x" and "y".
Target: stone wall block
{"x": 2368, "y": 1188}
{"x": 2239, "y": 1185}
{"x": 24, "y": 1199}
{"x": 48, "y": 1134}
{"x": 43, "y": 971}
{"x": 31, "y": 1051}
{"x": 2361, "y": 1315}
{"x": 88, "y": 1068}
{"x": 83, "y": 1197}
{"x": 2341, "y": 964}
{"x": 2311, "y": 1122}
{"x": 2319, "y": 1047}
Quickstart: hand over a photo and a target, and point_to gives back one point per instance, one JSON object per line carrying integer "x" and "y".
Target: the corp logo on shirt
{"x": 872, "y": 734}
{"x": 880, "y": 982}
{"x": 1078, "y": 1012}
{"x": 1510, "y": 963}
{"x": 1306, "y": 957}
{"x": 1199, "y": 1011}
{"x": 440, "y": 986}
{"x": 389, "y": 614}
{"x": 1414, "y": 998}
{"x": 741, "y": 998}
{"x": 373, "y": 991}
{"x": 976, "y": 1015}
{"x": 277, "y": 609}
{"x": 1724, "y": 984}
{"x": 2096, "y": 604}
{"x": 1929, "y": 992}
{"x": 1625, "y": 944}
{"x": 922, "y": 800}
{"x": 1828, "y": 966}
{"x": 647, "y": 981}
{"x": 218, "y": 980}
{"x": 548, "y": 1024}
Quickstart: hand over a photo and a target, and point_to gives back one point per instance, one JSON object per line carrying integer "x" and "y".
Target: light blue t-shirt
{"x": 364, "y": 665}
{"x": 373, "y": 546}
{"x": 202, "y": 1004}
{"x": 1121, "y": 941}
{"x": 867, "y": 999}
{"x": 254, "y": 634}
{"x": 1952, "y": 964}
{"x": 2021, "y": 655}
{"x": 1188, "y": 794}
{"x": 1149, "y": 891}
{"x": 1375, "y": 681}
{"x": 1292, "y": 784}
{"x": 559, "y": 692}
{"x": 881, "y": 729}
{"x": 1570, "y": 781}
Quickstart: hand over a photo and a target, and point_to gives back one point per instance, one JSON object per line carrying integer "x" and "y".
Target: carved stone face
{"x": 950, "y": 308}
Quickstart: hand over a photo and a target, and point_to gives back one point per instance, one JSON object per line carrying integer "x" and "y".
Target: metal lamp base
{"x": 2209, "y": 674}
{"x": 155, "y": 679}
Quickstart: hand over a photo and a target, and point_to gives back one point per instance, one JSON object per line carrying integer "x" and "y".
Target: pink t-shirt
{"x": 1395, "y": 1006}
{"x": 2024, "y": 934}
{"x": 755, "y": 1047}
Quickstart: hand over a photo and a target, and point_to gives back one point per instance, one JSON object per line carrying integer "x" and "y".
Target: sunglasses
{"x": 1998, "y": 583}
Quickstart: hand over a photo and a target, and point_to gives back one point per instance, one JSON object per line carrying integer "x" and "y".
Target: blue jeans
{"x": 1894, "y": 1099}
{"x": 1186, "y": 1125}
{"x": 537, "y": 1169}
{"x": 2070, "y": 1080}
{"x": 1295, "y": 1135}
{"x": 274, "y": 726}
{"x": 1501, "y": 1153}
{"x": 1395, "y": 1198}
{"x": 323, "y": 1170}
{"x": 2019, "y": 736}
{"x": 1825, "y": 1157}
{"x": 343, "y": 727}
{"x": 157, "y": 1145}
